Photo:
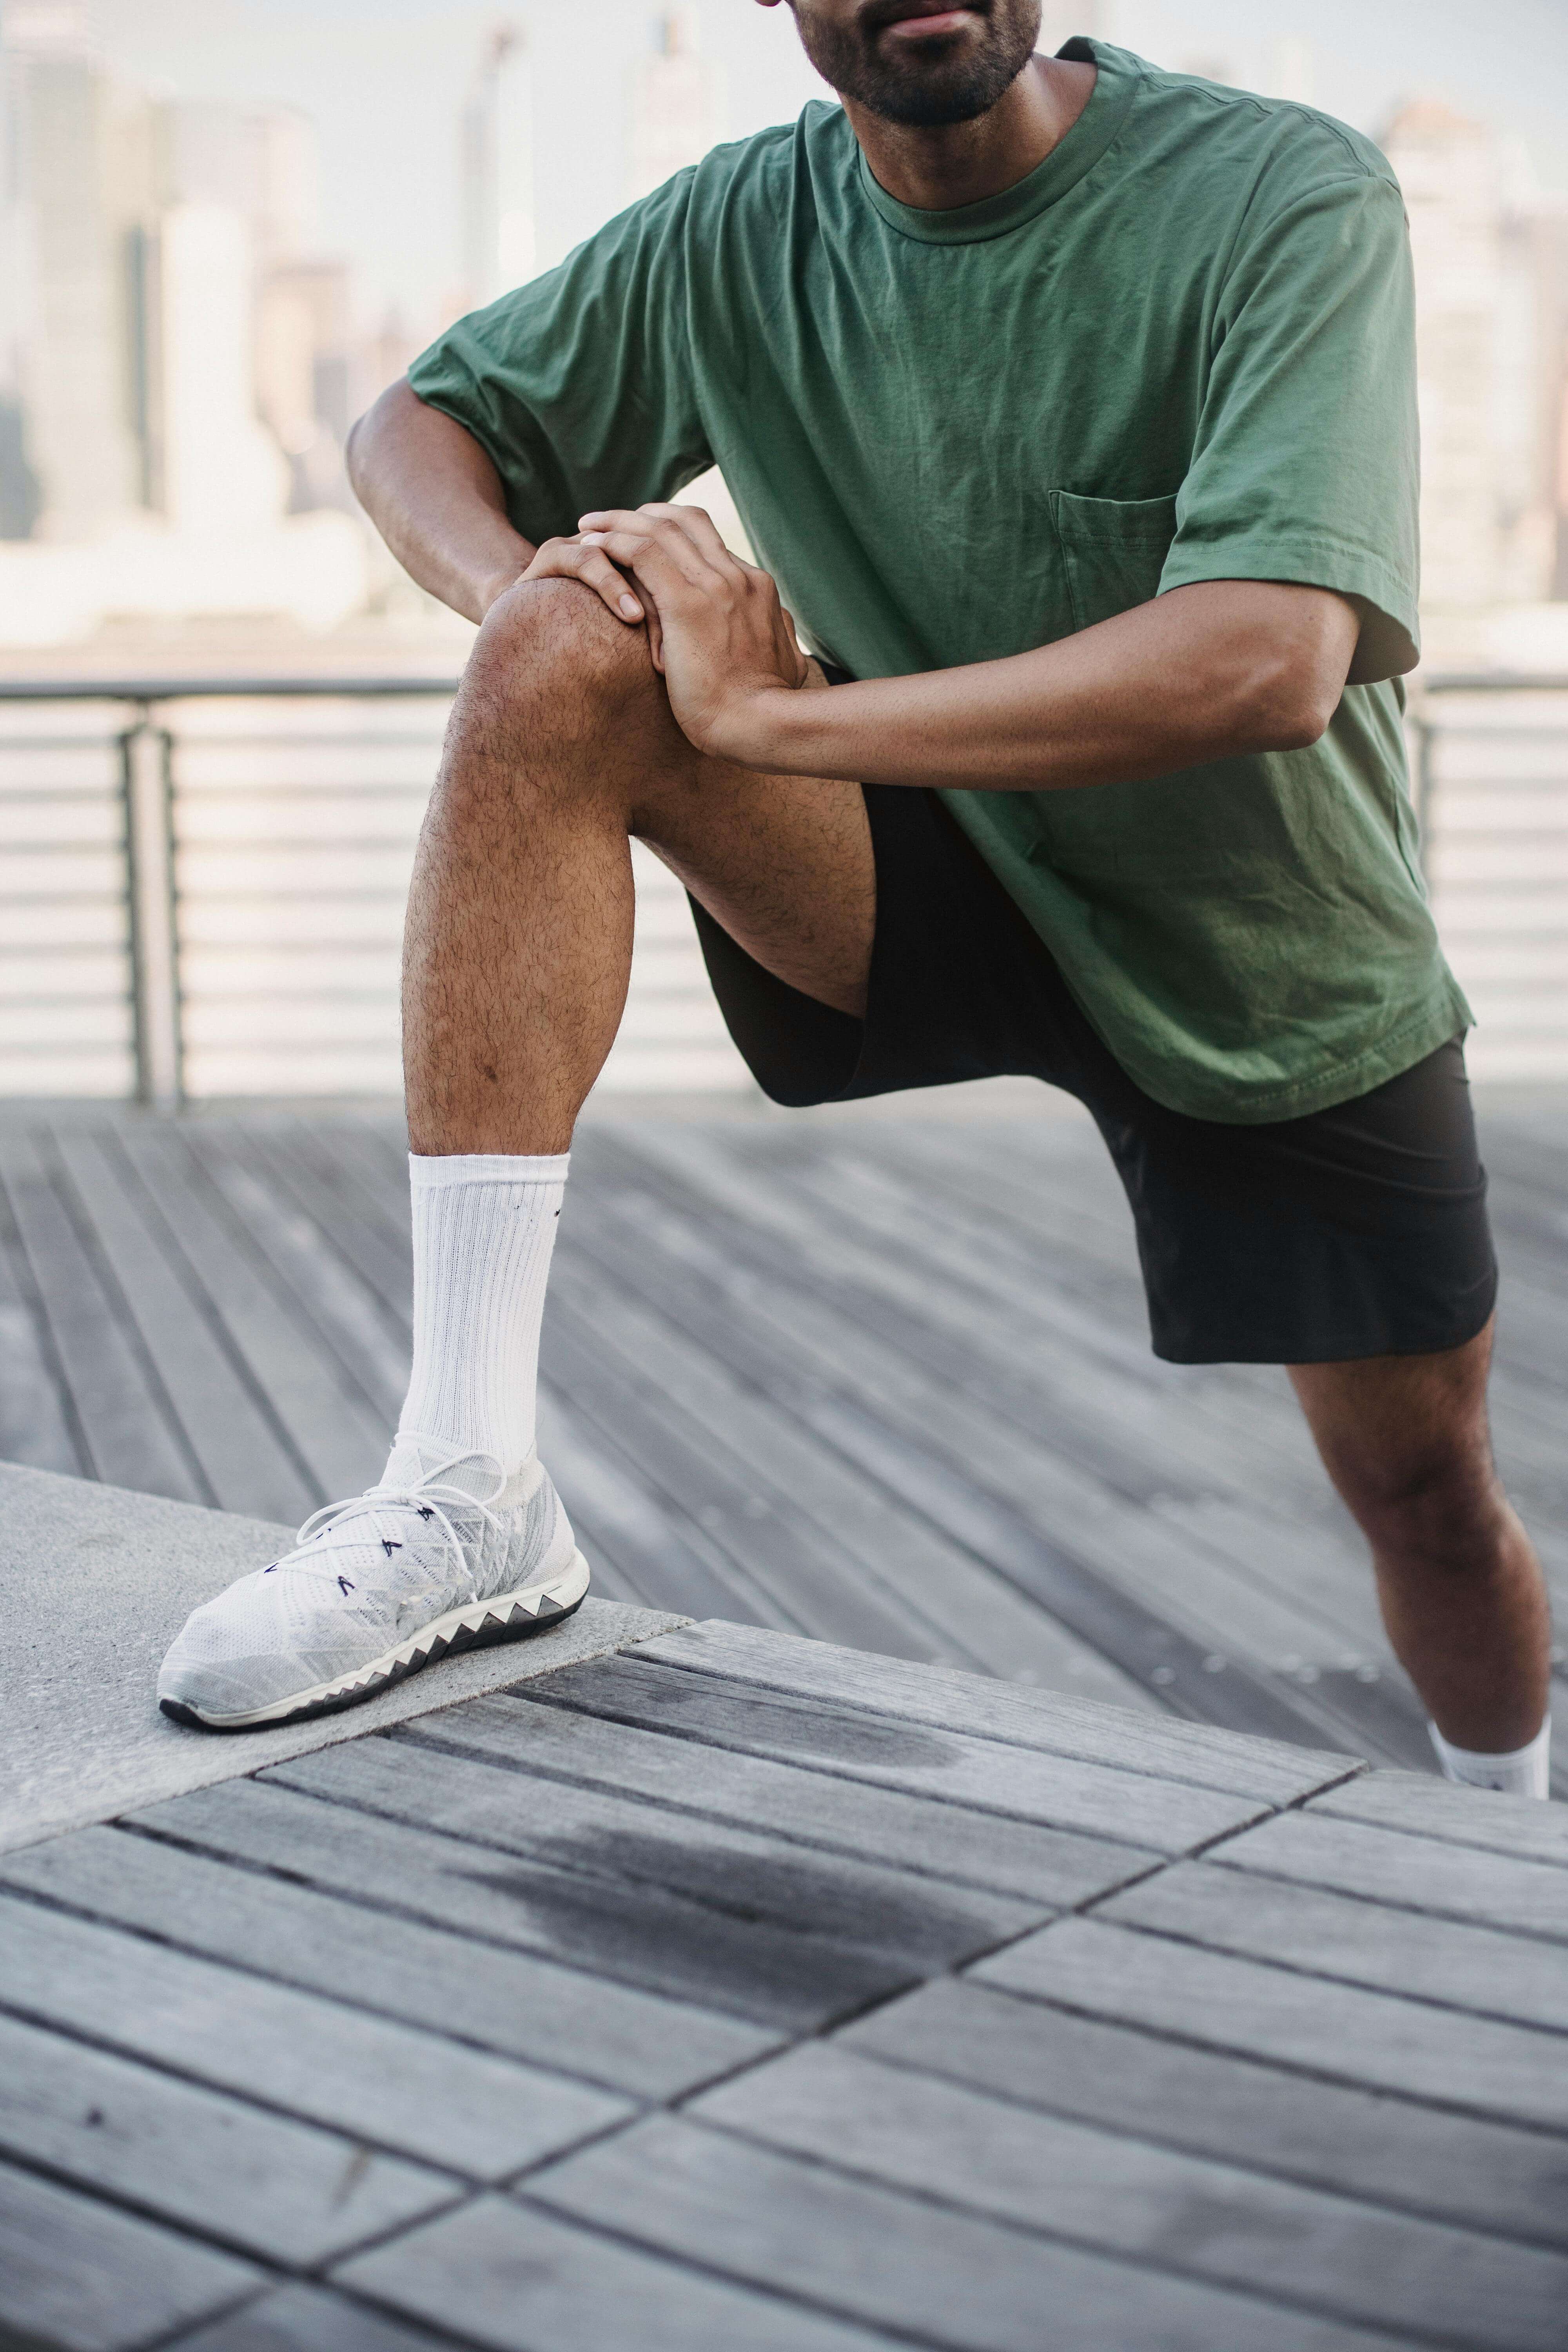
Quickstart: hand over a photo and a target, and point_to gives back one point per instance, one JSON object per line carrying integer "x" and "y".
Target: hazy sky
{"x": 385, "y": 82}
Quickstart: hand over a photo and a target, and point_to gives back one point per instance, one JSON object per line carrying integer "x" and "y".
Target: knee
{"x": 1442, "y": 1506}
{"x": 549, "y": 655}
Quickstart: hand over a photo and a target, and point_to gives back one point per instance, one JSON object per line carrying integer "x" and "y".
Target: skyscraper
{"x": 1489, "y": 258}
{"x": 498, "y": 170}
{"x": 678, "y": 104}
{"x": 65, "y": 380}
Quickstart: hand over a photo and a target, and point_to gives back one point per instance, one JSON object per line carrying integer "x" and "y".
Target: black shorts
{"x": 1359, "y": 1230}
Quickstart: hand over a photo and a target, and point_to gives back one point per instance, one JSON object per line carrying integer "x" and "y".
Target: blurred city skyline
{"x": 190, "y": 319}
{"x": 385, "y": 83}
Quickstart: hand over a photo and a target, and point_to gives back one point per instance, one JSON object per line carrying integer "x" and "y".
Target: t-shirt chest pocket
{"x": 1113, "y": 552}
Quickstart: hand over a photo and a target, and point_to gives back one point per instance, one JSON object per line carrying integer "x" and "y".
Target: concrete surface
{"x": 96, "y": 1582}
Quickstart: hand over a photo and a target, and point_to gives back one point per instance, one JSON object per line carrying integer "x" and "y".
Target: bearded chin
{"x": 916, "y": 90}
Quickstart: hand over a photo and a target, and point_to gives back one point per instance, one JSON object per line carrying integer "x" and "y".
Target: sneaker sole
{"x": 506, "y": 1617}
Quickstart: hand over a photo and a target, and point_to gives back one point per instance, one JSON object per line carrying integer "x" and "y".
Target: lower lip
{"x": 929, "y": 28}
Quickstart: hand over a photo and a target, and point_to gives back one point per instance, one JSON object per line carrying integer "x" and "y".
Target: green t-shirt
{"x": 1180, "y": 350}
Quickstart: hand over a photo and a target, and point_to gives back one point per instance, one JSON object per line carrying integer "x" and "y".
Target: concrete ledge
{"x": 96, "y": 1582}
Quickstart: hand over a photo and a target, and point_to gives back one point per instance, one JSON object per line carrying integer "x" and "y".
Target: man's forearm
{"x": 1214, "y": 671}
{"x": 438, "y": 501}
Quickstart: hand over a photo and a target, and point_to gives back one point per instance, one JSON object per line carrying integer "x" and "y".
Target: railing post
{"x": 147, "y": 773}
{"x": 1425, "y": 732}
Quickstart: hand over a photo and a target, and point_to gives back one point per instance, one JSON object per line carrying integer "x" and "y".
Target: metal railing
{"x": 203, "y": 900}
{"x": 259, "y": 831}
{"x": 144, "y": 745}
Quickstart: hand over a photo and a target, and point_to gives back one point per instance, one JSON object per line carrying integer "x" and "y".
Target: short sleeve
{"x": 580, "y": 385}
{"x": 1305, "y": 464}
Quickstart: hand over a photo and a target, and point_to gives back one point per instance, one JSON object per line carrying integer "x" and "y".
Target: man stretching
{"x": 1069, "y": 403}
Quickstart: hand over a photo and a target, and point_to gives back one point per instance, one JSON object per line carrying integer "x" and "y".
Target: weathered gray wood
{"x": 615, "y": 1927}
{"x": 1421, "y": 1873}
{"x": 1470, "y": 1818}
{"x": 232, "y": 1432}
{"x": 307, "y": 2319}
{"x": 77, "y": 2275}
{"x": 514, "y": 2003}
{"x": 1072, "y": 2181}
{"x": 935, "y": 1439}
{"x": 620, "y": 1519}
{"x": 976, "y": 1617}
{"x": 314, "y": 1168}
{"x": 1341, "y": 2031}
{"x": 417, "y": 2093}
{"x": 912, "y": 1925}
{"x": 289, "y": 2191}
{"x": 947, "y": 2278}
{"x": 1382, "y": 2151}
{"x": 801, "y": 1571}
{"x": 128, "y": 1438}
{"x": 921, "y": 1758}
{"x": 332, "y": 1425}
{"x": 948, "y": 1840}
{"x": 1185, "y": 1753}
{"x": 33, "y": 1424}
{"x": 510, "y": 2275}
{"x": 1407, "y": 1952}
{"x": 355, "y": 1326}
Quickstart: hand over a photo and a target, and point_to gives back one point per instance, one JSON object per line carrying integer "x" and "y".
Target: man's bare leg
{"x": 562, "y": 747}
{"x": 1406, "y": 1441}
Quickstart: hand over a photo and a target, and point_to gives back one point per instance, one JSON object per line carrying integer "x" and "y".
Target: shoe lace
{"x": 433, "y": 1497}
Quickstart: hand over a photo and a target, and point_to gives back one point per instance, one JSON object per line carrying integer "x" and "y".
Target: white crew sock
{"x": 1521, "y": 1771}
{"x": 484, "y": 1227}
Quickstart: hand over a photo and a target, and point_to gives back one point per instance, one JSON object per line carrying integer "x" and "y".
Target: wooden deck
{"x": 739, "y": 1994}
{"x": 883, "y": 1380}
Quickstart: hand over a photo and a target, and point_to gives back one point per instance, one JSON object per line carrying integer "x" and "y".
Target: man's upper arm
{"x": 579, "y": 385}
{"x": 1305, "y": 467}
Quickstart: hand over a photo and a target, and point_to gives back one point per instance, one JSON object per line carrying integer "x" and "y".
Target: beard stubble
{"x": 920, "y": 89}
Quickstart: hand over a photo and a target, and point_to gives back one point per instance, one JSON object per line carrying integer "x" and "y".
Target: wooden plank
{"x": 1147, "y": 1815}
{"x": 415, "y": 2094}
{"x": 1072, "y": 2181}
{"x": 883, "y": 1400}
{"x": 512, "y": 2001}
{"x": 664, "y": 1563}
{"x": 945, "y": 2277}
{"x": 1333, "y": 2136}
{"x": 908, "y": 1925}
{"x": 127, "y": 1426}
{"x": 585, "y": 1731}
{"x": 1418, "y": 1874}
{"x": 1341, "y": 2032}
{"x": 1468, "y": 1967}
{"x": 333, "y": 1425}
{"x": 316, "y": 1168}
{"x": 627, "y": 1930}
{"x": 77, "y": 2275}
{"x": 265, "y": 2184}
{"x": 351, "y": 1321}
{"x": 976, "y": 1617}
{"x": 802, "y": 1574}
{"x": 302, "y": 2318}
{"x": 1188, "y": 1754}
{"x": 992, "y": 1306}
{"x": 507, "y": 2275}
{"x": 226, "y": 1422}
{"x": 34, "y": 1424}
{"x": 1479, "y": 1818}
{"x": 990, "y": 1290}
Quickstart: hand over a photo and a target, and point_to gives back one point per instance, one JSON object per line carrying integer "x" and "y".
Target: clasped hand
{"x": 715, "y": 628}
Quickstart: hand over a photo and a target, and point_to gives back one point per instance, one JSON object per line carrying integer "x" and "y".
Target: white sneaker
{"x": 448, "y": 1553}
